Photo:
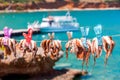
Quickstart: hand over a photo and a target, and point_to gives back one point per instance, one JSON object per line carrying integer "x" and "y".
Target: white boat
{"x": 57, "y": 23}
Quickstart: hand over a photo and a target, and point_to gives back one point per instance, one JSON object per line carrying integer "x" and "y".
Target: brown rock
{"x": 27, "y": 64}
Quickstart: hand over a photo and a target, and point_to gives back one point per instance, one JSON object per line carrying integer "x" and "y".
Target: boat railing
{"x": 68, "y": 14}
{"x": 33, "y": 25}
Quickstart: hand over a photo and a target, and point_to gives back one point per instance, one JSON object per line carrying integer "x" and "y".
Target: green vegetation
{"x": 19, "y": 8}
{"x": 19, "y": 1}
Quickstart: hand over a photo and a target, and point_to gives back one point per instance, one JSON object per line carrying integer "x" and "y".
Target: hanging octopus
{"x": 101, "y": 42}
{"x": 8, "y": 44}
{"x": 28, "y": 44}
{"x": 77, "y": 46}
{"x": 51, "y": 47}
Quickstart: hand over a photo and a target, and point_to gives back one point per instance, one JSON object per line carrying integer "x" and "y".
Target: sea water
{"x": 110, "y": 21}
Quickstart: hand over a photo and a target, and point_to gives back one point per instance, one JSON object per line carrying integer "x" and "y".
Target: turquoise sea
{"x": 109, "y": 19}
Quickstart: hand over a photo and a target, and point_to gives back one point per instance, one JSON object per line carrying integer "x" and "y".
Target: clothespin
{"x": 98, "y": 32}
{"x": 69, "y": 34}
{"x": 2, "y": 48}
{"x": 7, "y": 32}
{"x": 84, "y": 31}
{"x": 51, "y": 36}
{"x": 28, "y": 36}
{"x": 98, "y": 29}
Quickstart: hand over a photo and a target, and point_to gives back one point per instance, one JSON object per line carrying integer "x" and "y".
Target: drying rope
{"x": 41, "y": 41}
{"x": 115, "y": 35}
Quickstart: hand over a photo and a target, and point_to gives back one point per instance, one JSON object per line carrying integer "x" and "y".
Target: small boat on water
{"x": 57, "y": 24}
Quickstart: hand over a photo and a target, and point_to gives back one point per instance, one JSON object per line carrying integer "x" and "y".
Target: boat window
{"x": 44, "y": 21}
{"x": 74, "y": 20}
{"x": 50, "y": 22}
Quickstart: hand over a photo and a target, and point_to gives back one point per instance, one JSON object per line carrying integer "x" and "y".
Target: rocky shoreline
{"x": 59, "y": 5}
{"x": 35, "y": 69}
{"x": 27, "y": 64}
{"x": 64, "y": 74}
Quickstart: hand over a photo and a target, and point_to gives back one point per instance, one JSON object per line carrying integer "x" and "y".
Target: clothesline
{"x": 115, "y": 35}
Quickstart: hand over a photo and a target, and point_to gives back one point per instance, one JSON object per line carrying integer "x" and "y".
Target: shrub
{"x": 19, "y": 8}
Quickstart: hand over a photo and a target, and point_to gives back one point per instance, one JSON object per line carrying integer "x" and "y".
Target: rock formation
{"x": 27, "y": 64}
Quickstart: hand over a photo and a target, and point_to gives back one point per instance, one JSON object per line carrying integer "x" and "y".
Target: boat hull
{"x": 59, "y": 29}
